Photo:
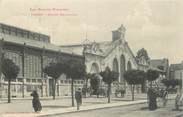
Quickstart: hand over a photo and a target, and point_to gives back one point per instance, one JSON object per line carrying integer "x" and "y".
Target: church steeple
{"x": 119, "y": 33}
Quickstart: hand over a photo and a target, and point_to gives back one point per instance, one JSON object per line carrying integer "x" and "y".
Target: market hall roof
{"x": 39, "y": 44}
{"x": 102, "y": 49}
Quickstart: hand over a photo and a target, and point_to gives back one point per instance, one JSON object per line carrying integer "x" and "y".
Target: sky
{"x": 155, "y": 25}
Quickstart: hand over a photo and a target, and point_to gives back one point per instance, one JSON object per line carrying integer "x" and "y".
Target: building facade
{"x": 32, "y": 51}
{"x": 176, "y": 71}
{"x": 115, "y": 54}
{"x": 161, "y": 64}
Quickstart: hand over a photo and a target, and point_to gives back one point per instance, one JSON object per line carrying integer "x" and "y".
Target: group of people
{"x": 153, "y": 95}
{"x": 78, "y": 96}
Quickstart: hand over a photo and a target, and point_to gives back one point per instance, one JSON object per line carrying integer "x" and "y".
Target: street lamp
{"x": 1, "y": 59}
{"x": 182, "y": 82}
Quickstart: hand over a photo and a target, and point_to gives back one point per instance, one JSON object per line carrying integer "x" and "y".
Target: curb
{"x": 96, "y": 108}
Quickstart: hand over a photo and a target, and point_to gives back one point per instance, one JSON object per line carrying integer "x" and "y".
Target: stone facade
{"x": 115, "y": 54}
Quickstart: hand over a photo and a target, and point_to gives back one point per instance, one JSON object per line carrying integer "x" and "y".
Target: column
{"x": 58, "y": 87}
{"x": 23, "y": 88}
{"x": 23, "y": 70}
{"x": 42, "y": 74}
{"x": 47, "y": 87}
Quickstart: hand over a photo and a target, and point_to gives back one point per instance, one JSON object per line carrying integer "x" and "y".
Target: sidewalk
{"x": 91, "y": 107}
{"x": 23, "y": 108}
{"x": 99, "y": 106}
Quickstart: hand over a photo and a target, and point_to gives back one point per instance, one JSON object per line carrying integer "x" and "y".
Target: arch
{"x": 122, "y": 68}
{"x": 94, "y": 68}
{"x": 115, "y": 65}
{"x": 129, "y": 65}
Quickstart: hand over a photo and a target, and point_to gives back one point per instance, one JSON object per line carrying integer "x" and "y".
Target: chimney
{"x": 119, "y": 33}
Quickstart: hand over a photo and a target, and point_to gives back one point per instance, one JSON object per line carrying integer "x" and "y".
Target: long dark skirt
{"x": 36, "y": 104}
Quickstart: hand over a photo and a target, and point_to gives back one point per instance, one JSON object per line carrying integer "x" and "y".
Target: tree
{"x": 54, "y": 70}
{"x": 75, "y": 70}
{"x": 10, "y": 71}
{"x": 95, "y": 84}
{"x": 134, "y": 77}
{"x": 109, "y": 77}
{"x": 142, "y": 53}
{"x": 152, "y": 75}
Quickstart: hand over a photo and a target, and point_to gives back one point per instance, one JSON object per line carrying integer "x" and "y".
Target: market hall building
{"x": 33, "y": 51}
{"x": 116, "y": 54}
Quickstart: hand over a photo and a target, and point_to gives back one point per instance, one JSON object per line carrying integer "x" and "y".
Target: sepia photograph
{"x": 91, "y": 58}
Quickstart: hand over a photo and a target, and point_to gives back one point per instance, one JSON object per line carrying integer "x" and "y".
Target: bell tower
{"x": 119, "y": 33}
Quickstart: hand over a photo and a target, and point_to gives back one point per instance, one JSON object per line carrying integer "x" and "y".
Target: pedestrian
{"x": 152, "y": 99}
{"x": 36, "y": 102}
{"x": 178, "y": 101}
{"x": 78, "y": 97}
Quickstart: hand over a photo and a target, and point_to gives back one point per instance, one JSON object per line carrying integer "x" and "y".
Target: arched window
{"x": 115, "y": 65}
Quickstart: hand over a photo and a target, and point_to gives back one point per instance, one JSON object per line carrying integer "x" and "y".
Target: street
{"x": 139, "y": 110}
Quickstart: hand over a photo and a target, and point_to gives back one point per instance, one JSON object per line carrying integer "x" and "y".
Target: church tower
{"x": 119, "y": 33}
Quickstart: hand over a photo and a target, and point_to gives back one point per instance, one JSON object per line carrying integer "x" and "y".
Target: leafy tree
{"x": 75, "y": 70}
{"x": 134, "y": 77}
{"x": 142, "y": 53}
{"x": 10, "y": 71}
{"x": 152, "y": 75}
{"x": 54, "y": 70}
{"x": 95, "y": 84}
{"x": 109, "y": 77}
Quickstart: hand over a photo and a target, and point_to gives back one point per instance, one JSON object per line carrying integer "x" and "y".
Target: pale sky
{"x": 155, "y": 25}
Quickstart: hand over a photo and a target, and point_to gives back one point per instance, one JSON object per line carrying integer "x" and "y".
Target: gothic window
{"x": 115, "y": 65}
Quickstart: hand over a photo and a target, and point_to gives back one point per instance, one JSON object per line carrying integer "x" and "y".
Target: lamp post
{"x": 72, "y": 84}
{"x": 182, "y": 82}
{"x": 1, "y": 59}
